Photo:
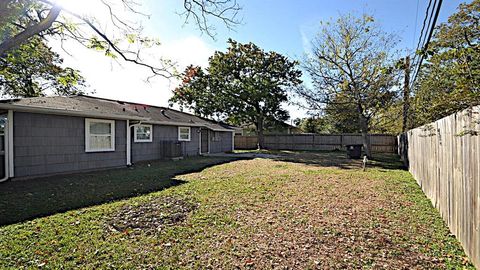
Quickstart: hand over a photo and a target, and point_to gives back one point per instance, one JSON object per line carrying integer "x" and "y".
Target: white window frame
{"x": 135, "y": 139}
{"x": 88, "y": 121}
{"x": 189, "y": 134}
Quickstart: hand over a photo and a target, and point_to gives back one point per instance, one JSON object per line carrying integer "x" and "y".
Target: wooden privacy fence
{"x": 444, "y": 158}
{"x": 380, "y": 142}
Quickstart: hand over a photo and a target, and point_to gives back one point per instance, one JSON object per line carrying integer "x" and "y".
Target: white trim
{"x": 142, "y": 140}
{"x": 87, "y": 135}
{"x": 208, "y": 136}
{"x": 189, "y": 134}
{"x": 129, "y": 144}
{"x": 199, "y": 141}
{"x": 11, "y": 167}
{"x": 233, "y": 141}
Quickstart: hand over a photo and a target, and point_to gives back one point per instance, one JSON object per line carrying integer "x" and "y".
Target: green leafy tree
{"x": 313, "y": 124}
{"x": 449, "y": 81}
{"x": 244, "y": 85}
{"x": 351, "y": 66}
{"x": 33, "y": 69}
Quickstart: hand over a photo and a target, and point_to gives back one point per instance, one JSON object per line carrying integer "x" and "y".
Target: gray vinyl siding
{"x": 143, "y": 151}
{"x": 48, "y": 144}
{"x": 224, "y": 144}
{"x": 191, "y": 148}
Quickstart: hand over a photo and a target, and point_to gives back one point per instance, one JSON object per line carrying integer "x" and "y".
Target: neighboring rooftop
{"x": 88, "y": 105}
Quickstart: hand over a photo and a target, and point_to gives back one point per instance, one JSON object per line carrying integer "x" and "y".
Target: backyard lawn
{"x": 300, "y": 210}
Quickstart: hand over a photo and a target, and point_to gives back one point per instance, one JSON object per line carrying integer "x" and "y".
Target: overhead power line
{"x": 415, "y": 25}
{"x": 431, "y": 26}
{"x": 423, "y": 34}
{"x": 419, "y": 44}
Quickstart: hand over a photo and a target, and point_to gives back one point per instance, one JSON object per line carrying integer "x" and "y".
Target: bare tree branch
{"x": 199, "y": 10}
{"x": 36, "y": 21}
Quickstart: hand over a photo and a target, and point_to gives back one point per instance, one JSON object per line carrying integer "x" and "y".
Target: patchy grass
{"x": 302, "y": 211}
{"x": 23, "y": 200}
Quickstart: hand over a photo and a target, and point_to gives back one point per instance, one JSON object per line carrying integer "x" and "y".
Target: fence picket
{"x": 444, "y": 158}
{"x": 380, "y": 142}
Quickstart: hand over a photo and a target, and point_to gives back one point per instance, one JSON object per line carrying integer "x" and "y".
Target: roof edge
{"x": 43, "y": 110}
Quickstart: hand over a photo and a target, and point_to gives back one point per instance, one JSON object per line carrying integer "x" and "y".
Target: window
{"x": 143, "y": 133}
{"x": 99, "y": 135}
{"x": 183, "y": 133}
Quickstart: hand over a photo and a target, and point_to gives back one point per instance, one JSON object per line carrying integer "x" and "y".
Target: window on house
{"x": 183, "y": 133}
{"x": 143, "y": 133}
{"x": 99, "y": 135}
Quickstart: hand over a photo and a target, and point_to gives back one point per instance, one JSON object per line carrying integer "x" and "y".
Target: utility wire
{"x": 423, "y": 36}
{"x": 415, "y": 26}
{"x": 425, "y": 46}
{"x": 424, "y": 24}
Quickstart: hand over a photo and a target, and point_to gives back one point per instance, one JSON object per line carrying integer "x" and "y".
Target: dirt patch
{"x": 152, "y": 216}
{"x": 295, "y": 216}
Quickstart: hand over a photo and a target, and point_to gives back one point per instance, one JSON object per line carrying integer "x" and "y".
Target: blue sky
{"x": 279, "y": 24}
{"x": 285, "y": 26}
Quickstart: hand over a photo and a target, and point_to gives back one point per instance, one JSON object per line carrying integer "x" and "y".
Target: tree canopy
{"x": 33, "y": 69}
{"x": 244, "y": 85}
{"x": 351, "y": 66}
{"x": 449, "y": 80}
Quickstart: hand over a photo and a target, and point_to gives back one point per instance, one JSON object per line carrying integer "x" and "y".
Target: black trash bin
{"x": 354, "y": 150}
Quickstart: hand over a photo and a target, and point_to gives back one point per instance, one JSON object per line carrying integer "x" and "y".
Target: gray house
{"x": 53, "y": 135}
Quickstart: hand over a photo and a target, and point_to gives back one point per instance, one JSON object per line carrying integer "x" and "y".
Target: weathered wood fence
{"x": 444, "y": 158}
{"x": 380, "y": 142}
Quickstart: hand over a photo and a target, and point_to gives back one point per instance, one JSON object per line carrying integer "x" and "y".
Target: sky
{"x": 284, "y": 26}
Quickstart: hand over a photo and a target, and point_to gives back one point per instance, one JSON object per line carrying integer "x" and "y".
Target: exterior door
{"x": 204, "y": 141}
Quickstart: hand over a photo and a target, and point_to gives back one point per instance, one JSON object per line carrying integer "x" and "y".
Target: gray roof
{"x": 94, "y": 106}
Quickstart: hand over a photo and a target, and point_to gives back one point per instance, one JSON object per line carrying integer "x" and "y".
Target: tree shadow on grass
{"x": 338, "y": 159}
{"x": 28, "y": 199}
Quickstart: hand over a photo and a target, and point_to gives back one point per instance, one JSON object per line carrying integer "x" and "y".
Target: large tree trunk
{"x": 365, "y": 140}
{"x": 261, "y": 138}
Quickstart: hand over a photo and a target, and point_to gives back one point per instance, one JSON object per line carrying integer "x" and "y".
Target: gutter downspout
{"x": 129, "y": 144}
{"x": 200, "y": 141}
{"x": 11, "y": 167}
{"x": 233, "y": 141}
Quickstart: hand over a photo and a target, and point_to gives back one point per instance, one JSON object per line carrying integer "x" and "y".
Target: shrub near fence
{"x": 444, "y": 158}
{"x": 380, "y": 142}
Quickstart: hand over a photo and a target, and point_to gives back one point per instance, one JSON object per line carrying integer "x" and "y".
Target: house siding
{"x": 49, "y": 144}
{"x": 143, "y": 151}
{"x": 223, "y": 144}
{"x": 191, "y": 148}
